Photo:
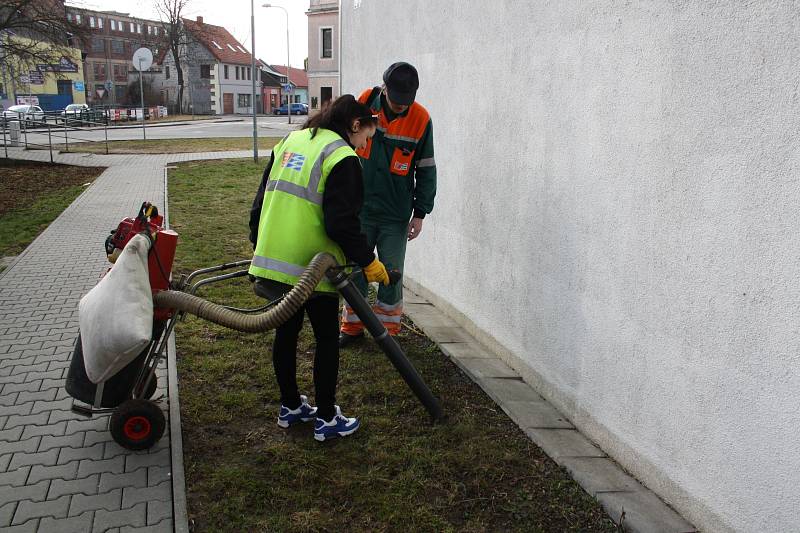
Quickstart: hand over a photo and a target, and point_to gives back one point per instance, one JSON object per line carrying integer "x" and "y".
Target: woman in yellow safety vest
{"x": 308, "y": 202}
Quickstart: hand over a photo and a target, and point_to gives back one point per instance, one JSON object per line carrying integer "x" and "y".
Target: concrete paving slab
{"x": 598, "y": 474}
{"x": 469, "y": 350}
{"x": 643, "y": 512}
{"x": 447, "y": 334}
{"x": 536, "y": 414}
{"x": 481, "y": 368}
{"x": 410, "y": 297}
{"x": 560, "y": 443}
{"x": 427, "y": 319}
{"x": 509, "y": 390}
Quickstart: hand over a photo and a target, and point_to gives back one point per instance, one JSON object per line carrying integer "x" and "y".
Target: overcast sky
{"x": 235, "y": 16}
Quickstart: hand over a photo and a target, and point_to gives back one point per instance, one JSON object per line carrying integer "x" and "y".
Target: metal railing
{"x": 31, "y": 130}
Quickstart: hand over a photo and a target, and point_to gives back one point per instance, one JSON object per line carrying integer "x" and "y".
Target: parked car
{"x": 74, "y": 111}
{"x": 28, "y": 113}
{"x": 297, "y": 109}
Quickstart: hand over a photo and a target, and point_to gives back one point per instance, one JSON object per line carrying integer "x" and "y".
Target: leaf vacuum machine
{"x": 128, "y": 317}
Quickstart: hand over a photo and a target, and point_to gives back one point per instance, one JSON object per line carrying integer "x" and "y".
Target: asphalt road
{"x": 267, "y": 126}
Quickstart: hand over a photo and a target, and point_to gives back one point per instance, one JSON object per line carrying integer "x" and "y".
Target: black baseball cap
{"x": 402, "y": 82}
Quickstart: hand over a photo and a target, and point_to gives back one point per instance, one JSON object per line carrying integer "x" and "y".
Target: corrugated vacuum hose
{"x": 321, "y": 265}
{"x": 248, "y": 323}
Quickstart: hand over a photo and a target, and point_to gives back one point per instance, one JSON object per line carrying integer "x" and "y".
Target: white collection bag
{"x": 116, "y": 316}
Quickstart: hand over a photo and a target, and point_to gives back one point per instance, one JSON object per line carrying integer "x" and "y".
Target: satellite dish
{"x": 142, "y": 59}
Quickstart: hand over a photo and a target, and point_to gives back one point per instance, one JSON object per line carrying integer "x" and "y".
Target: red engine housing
{"x": 161, "y": 255}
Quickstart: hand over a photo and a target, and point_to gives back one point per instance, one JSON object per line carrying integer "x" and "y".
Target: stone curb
{"x": 628, "y": 503}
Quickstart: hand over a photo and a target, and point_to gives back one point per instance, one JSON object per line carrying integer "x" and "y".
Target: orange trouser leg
{"x": 389, "y": 315}
{"x": 351, "y": 324}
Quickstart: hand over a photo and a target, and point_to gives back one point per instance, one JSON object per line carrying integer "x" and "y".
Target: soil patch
{"x": 23, "y": 182}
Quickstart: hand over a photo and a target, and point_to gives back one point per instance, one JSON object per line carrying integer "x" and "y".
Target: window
{"x": 100, "y": 23}
{"x": 91, "y": 22}
{"x": 205, "y": 71}
{"x": 138, "y": 28}
{"x": 326, "y": 42}
{"x": 69, "y": 17}
{"x": 120, "y": 72}
{"x": 313, "y": 102}
{"x": 231, "y": 47}
{"x": 248, "y": 73}
{"x": 166, "y": 71}
{"x": 117, "y": 47}
{"x": 215, "y": 44}
{"x": 98, "y": 45}
{"x": 119, "y": 92}
{"x": 226, "y": 72}
{"x": 155, "y": 30}
{"x": 244, "y": 100}
{"x": 113, "y": 24}
{"x": 237, "y": 73}
{"x": 99, "y": 71}
{"x": 77, "y": 18}
{"x": 132, "y": 27}
{"x": 242, "y": 50}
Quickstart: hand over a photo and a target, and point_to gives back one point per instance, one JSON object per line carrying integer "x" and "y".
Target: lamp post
{"x": 253, "y": 77}
{"x": 288, "y": 81}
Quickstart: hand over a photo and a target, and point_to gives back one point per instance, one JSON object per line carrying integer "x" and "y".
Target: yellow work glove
{"x": 375, "y": 271}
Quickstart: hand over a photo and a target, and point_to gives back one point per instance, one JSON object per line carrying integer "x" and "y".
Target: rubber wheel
{"x": 137, "y": 424}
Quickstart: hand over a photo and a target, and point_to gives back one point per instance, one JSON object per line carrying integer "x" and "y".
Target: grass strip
{"x": 33, "y": 195}
{"x": 477, "y": 472}
{"x": 170, "y": 146}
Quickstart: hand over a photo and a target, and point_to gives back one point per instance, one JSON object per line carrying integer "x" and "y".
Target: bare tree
{"x": 171, "y": 14}
{"x": 36, "y": 32}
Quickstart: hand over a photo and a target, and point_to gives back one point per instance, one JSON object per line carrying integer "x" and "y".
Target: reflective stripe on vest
{"x": 311, "y": 191}
{"x": 279, "y": 266}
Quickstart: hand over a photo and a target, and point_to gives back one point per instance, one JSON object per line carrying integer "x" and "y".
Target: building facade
{"x": 632, "y": 252}
{"x": 220, "y": 70}
{"x": 323, "y": 53}
{"x": 298, "y": 78}
{"x": 52, "y": 87}
{"x": 110, "y": 78}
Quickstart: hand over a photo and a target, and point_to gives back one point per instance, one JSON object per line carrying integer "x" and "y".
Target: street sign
{"x": 36, "y": 77}
{"x": 24, "y": 79}
{"x": 142, "y": 59}
{"x": 79, "y": 86}
{"x": 100, "y": 93}
{"x": 287, "y": 88}
{"x": 109, "y": 85}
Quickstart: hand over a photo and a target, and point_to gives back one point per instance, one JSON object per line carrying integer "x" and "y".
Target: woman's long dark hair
{"x": 339, "y": 116}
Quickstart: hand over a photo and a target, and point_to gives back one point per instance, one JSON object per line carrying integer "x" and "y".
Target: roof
{"x": 219, "y": 42}
{"x": 297, "y": 76}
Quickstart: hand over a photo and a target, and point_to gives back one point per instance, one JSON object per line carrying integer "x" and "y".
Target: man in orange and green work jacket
{"x": 399, "y": 187}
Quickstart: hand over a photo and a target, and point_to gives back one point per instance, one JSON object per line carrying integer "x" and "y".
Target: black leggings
{"x": 323, "y": 312}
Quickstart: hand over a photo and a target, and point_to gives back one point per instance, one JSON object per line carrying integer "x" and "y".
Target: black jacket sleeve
{"x": 255, "y": 211}
{"x": 341, "y": 204}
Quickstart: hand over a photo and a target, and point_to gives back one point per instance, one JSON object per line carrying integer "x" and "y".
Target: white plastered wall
{"x": 617, "y": 215}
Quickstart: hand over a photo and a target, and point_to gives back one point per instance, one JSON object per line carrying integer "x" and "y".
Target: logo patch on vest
{"x": 293, "y": 161}
{"x": 400, "y": 166}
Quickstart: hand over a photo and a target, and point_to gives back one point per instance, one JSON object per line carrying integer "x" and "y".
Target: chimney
{"x": 199, "y": 19}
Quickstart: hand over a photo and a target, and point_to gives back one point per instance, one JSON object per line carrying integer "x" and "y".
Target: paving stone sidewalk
{"x": 59, "y": 471}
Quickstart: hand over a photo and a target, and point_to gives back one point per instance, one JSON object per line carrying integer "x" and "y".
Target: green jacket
{"x": 399, "y": 168}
